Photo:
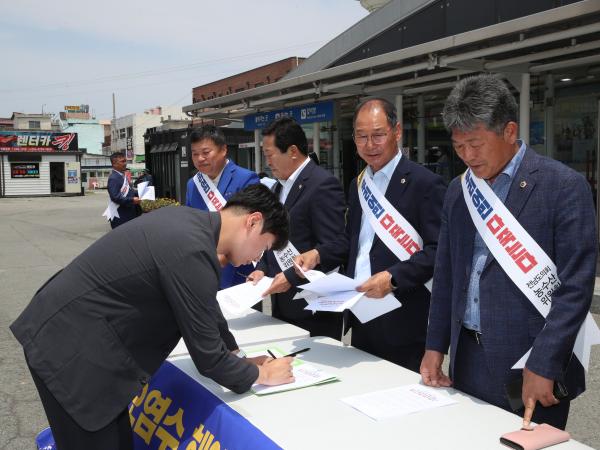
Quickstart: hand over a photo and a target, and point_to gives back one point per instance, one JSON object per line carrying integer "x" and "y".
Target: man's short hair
{"x": 115, "y": 156}
{"x": 208, "y": 132}
{"x": 388, "y": 108}
{"x": 287, "y": 132}
{"x": 259, "y": 198}
{"x": 479, "y": 100}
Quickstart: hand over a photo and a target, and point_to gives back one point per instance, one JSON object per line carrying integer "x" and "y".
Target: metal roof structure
{"x": 550, "y": 41}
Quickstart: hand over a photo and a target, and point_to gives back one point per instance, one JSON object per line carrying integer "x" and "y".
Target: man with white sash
{"x": 515, "y": 265}
{"x": 217, "y": 180}
{"x": 315, "y": 202}
{"x": 392, "y": 228}
{"x": 123, "y": 199}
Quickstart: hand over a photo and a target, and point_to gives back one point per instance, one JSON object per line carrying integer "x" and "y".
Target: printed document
{"x": 305, "y": 374}
{"x": 400, "y": 401}
{"x": 145, "y": 192}
{"x": 240, "y": 298}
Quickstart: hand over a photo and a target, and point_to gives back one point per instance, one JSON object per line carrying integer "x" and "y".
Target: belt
{"x": 475, "y": 335}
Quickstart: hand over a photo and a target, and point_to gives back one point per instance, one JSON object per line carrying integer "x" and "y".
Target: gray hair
{"x": 388, "y": 108}
{"x": 479, "y": 100}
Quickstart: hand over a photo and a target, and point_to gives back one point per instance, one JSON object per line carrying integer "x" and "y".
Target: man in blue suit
{"x": 417, "y": 194}
{"x": 209, "y": 155}
{"x": 120, "y": 192}
{"x": 477, "y": 310}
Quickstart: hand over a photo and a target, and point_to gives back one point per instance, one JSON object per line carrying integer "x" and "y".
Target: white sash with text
{"x": 521, "y": 258}
{"x": 391, "y": 227}
{"x": 209, "y": 192}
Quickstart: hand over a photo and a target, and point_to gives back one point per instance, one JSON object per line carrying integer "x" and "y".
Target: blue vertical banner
{"x": 315, "y": 112}
{"x": 175, "y": 411}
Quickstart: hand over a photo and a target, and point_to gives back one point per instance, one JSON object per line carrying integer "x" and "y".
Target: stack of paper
{"x": 305, "y": 374}
{"x": 335, "y": 292}
{"x": 145, "y": 192}
{"x": 238, "y": 299}
{"x": 399, "y": 401}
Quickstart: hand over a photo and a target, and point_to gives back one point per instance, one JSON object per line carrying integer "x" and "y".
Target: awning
{"x": 162, "y": 148}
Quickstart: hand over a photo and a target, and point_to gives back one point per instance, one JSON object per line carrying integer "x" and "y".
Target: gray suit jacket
{"x": 554, "y": 204}
{"x": 102, "y": 326}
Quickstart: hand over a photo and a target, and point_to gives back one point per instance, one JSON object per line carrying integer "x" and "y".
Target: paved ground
{"x": 39, "y": 236}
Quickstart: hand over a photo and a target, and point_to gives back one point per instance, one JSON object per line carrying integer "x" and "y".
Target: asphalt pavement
{"x": 39, "y": 236}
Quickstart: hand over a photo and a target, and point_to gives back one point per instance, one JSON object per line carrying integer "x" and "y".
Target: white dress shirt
{"x": 381, "y": 179}
{"x": 287, "y": 184}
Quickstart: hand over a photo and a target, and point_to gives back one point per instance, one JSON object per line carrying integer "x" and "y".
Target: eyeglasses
{"x": 377, "y": 138}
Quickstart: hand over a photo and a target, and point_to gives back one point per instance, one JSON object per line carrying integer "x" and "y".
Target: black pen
{"x": 271, "y": 353}
{"x": 296, "y": 352}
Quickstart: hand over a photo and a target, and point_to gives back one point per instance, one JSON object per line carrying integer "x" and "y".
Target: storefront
{"x": 38, "y": 163}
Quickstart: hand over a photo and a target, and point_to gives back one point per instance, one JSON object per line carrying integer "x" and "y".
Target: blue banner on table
{"x": 315, "y": 112}
{"x": 175, "y": 411}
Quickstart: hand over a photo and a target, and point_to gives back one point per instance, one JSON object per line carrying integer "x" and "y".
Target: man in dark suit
{"x": 120, "y": 192}
{"x": 315, "y": 202}
{"x": 477, "y": 310}
{"x": 97, "y": 330}
{"x": 209, "y": 155}
{"x": 417, "y": 194}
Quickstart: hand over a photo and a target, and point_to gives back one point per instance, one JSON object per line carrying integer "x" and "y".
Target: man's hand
{"x": 536, "y": 388}
{"x": 431, "y": 370}
{"x": 276, "y": 371}
{"x": 255, "y": 276}
{"x": 307, "y": 260}
{"x": 280, "y": 284}
{"x": 136, "y": 200}
{"x": 378, "y": 285}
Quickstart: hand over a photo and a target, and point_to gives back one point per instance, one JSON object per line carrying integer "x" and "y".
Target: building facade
{"x": 127, "y": 132}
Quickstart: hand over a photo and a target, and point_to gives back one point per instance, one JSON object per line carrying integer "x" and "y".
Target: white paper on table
{"x": 331, "y": 283}
{"x": 366, "y": 308}
{"x": 389, "y": 403}
{"x": 238, "y": 299}
{"x": 337, "y": 302}
{"x": 304, "y": 374}
{"x": 145, "y": 192}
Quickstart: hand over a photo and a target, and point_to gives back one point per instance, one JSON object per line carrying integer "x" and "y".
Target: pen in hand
{"x": 271, "y": 353}
{"x": 298, "y": 351}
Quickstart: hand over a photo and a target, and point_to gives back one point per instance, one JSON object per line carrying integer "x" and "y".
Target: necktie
{"x": 277, "y": 189}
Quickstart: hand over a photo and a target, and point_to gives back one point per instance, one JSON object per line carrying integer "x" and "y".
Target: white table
{"x": 254, "y": 328}
{"x": 315, "y": 417}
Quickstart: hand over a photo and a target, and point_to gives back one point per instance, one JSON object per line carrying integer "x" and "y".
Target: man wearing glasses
{"x": 392, "y": 245}
{"x": 217, "y": 180}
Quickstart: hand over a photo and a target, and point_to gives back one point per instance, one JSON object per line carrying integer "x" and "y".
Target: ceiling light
{"x": 565, "y": 79}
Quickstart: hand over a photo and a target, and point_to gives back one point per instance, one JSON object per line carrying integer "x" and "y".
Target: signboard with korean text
{"x": 37, "y": 141}
{"x": 24, "y": 170}
{"x": 316, "y": 112}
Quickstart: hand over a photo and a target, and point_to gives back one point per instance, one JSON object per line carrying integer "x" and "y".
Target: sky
{"x": 149, "y": 53}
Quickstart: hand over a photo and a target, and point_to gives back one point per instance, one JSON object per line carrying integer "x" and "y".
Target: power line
{"x": 154, "y": 72}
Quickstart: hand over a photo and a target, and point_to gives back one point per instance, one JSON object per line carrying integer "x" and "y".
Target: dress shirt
{"x": 500, "y": 186}
{"x": 365, "y": 239}
{"x": 287, "y": 184}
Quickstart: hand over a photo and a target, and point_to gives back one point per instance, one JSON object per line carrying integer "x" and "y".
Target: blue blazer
{"x": 127, "y": 210}
{"x": 554, "y": 204}
{"x": 233, "y": 179}
{"x": 419, "y": 199}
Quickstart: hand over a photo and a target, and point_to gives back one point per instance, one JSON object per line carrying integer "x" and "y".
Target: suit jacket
{"x": 127, "y": 210}
{"x": 102, "y": 326}
{"x": 554, "y": 204}
{"x": 233, "y": 179}
{"x": 419, "y": 199}
{"x": 316, "y": 208}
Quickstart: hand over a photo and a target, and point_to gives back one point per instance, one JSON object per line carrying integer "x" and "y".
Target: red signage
{"x": 37, "y": 141}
